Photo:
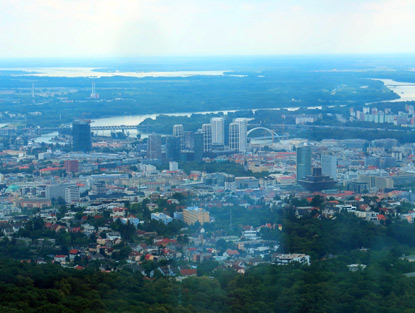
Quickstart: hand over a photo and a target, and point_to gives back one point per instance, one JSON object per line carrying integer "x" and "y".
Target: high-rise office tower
{"x": 303, "y": 162}
{"x": 234, "y": 136}
{"x": 238, "y": 139}
{"x": 173, "y": 148}
{"x": 81, "y": 135}
{"x": 243, "y": 130}
{"x": 198, "y": 146}
{"x": 207, "y": 137}
{"x": 154, "y": 147}
{"x": 188, "y": 140}
{"x": 178, "y": 131}
{"x": 329, "y": 166}
{"x": 218, "y": 130}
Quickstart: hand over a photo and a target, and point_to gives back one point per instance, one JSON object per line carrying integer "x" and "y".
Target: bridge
{"x": 114, "y": 127}
{"x": 93, "y": 128}
{"x": 147, "y": 128}
{"x": 271, "y": 132}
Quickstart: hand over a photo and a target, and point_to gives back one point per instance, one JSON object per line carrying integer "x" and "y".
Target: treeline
{"x": 379, "y": 284}
{"x": 325, "y": 286}
{"x": 330, "y": 133}
{"x": 275, "y": 88}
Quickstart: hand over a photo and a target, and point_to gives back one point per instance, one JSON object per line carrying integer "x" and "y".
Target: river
{"x": 137, "y": 119}
{"x": 131, "y": 120}
{"x": 405, "y": 91}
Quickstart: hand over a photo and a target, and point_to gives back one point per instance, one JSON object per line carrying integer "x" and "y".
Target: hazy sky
{"x": 116, "y": 28}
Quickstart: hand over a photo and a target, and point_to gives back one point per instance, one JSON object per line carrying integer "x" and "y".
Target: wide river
{"x": 133, "y": 120}
{"x": 406, "y": 92}
{"x": 137, "y": 119}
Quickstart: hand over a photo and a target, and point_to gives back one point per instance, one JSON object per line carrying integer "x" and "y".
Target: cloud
{"x": 105, "y": 28}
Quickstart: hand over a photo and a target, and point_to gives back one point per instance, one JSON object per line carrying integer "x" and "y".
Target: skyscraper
{"x": 198, "y": 147}
{"x": 329, "y": 166}
{"x": 188, "y": 140}
{"x": 303, "y": 162}
{"x": 238, "y": 135}
{"x": 172, "y": 148}
{"x": 243, "y": 130}
{"x": 178, "y": 131}
{"x": 154, "y": 147}
{"x": 207, "y": 137}
{"x": 81, "y": 135}
{"x": 234, "y": 136}
{"x": 218, "y": 130}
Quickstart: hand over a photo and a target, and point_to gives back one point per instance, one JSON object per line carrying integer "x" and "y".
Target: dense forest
{"x": 382, "y": 283}
{"x": 60, "y": 100}
{"x": 325, "y": 286}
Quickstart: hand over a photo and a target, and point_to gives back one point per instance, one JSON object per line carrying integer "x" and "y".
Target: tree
{"x": 317, "y": 201}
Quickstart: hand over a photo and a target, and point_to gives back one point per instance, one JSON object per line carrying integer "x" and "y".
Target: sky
{"x": 139, "y": 28}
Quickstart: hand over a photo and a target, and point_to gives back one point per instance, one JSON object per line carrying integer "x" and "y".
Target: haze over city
{"x": 106, "y": 28}
{"x": 190, "y": 156}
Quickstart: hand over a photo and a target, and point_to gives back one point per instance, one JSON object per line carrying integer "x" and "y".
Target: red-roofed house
{"x": 60, "y": 258}
{"x": 149, "y": 257}
{"x": 231, "y": 253}
{"x": 165, "y": 241}
{"x": 188, "y": 272}
{"x": 381, "y": 217}
{"x": 73, "y": 253}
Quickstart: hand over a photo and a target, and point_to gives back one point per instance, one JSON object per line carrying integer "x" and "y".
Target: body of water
{"x": 46, "y": 138}
{"x": 132, "y": 120}
{"x": 406, "y": 91}
{"x": 137, "y": 119}
{"x": 73, "y": 72}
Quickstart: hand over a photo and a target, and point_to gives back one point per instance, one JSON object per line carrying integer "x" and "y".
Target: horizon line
{"x": 343, "y": 54}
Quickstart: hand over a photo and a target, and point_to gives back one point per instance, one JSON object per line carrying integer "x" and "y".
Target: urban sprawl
{"x": 164, "y": 204}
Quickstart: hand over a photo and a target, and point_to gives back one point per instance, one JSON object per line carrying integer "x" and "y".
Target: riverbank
{"x": 405, "y": 91}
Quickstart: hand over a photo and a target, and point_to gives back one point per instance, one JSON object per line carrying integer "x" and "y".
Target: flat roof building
{"x": 161, "y": 217}
{"x": 81, "y": 135}
{"x": 192, "y": 215}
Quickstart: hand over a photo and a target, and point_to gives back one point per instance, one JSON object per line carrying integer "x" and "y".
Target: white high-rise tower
{"x": 218, "y": 130}
{"x": 207, "y": 137}
{"x": 243, "y": 137}
{"x": 329, "y": 166}
{"x": 178, "y": 131}
{"x": 234, "y": 136}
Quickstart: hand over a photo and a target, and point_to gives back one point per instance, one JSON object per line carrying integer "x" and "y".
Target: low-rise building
{"x": 284, "y": 259}
{"x": 161, "y": 217}
{"x": 192, "y": 215}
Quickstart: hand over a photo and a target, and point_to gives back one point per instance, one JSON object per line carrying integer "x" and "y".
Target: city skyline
{"x": 207, "y": 156}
